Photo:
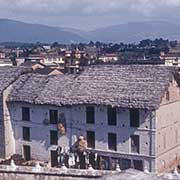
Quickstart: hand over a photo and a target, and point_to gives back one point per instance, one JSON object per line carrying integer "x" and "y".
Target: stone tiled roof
{"x": 132, "y": 174}
{"x": 138, "y": 86}
{"x": 10, "y": 74}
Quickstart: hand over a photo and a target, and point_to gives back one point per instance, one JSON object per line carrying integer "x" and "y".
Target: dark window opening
{"x": 27, "y": 152}
{"x": 90, "y": 115}
{"x": 135, "y": 144}
{"x": 112, "y": 141}
{"x": 167, "y": 95}
{"x": 53, "y": 137}
{"x": 53, "y": 116}
{"x": 125, "y": 164}
{"x": 134, "y": 117}
{"x": 138, "y": 164}
{"x": 26, "y": 133}
{"x": 25, "y": 114}
{"x": 176, "y": 135}
{"x": 72, "y": 70}
{"x": 91, "y": 139}
{"x": 112, "y": 116}
{"x": 54, "y": 158}
{"x": 164, "y": 141}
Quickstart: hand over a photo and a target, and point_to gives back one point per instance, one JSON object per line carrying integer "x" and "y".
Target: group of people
{"x": 80, "y": 157}
{"x": 77, "y": 156}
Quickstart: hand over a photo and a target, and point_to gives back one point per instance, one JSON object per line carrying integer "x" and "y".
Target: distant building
{"x": 20, "y": 60}
{"x": 46, "y": 47}
{"x": 33, "y": 65}
{"x": 68, "y": 53}
{"x": 72, "y": 65}
{"x": 31, "y": 59}
{"x": 35, "y": 58}
{"x": 79, "y": 54}
{"x": 92, "y": 52}
{"x": 5, "y": 62}
{"x": 2, "y": 55}
{"x": 109, "y": 58}
{"x": 48, "y": 71}
{"x": 54, "y": 60}
{"x": 171, "y": 59}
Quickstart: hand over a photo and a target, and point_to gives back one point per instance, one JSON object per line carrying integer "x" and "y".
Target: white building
{"x": 53, "y": 60}
{"x": 128, "y": 115}
{"x": 6, "y": 62}
{"x": 171, "y": 59}
{"x": 109, "y": 58}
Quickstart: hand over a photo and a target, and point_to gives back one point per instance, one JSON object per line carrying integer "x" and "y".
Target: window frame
{"x": 134, "y": 117}
{"x": 91, "y": 143}
{"x": 27, "y": 148}
{"x": 26, "y": 134}
{"x": 52, "y": 140}
{"x": 112, "y": 116}
{"x": 112, "y": 141}
{"x": 53, "y": 116}
{"x": 90, "y": 118}
{"x": 25, "y": 113}
{"x": 136, "y": 144}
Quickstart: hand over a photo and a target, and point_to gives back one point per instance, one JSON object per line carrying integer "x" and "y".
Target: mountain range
{"x": 16, "y": 31}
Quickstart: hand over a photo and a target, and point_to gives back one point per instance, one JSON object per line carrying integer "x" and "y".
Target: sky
{"x": 89, "y": 14}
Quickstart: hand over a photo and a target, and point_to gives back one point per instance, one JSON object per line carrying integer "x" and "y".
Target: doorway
{"x": 54, "y": 158}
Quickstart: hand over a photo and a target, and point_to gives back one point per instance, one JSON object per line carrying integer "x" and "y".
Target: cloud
{"x": 87, "y": 7}
{"x": 79, "y": 12}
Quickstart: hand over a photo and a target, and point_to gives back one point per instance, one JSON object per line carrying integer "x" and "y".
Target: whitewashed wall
{"x": 76, "y": 126}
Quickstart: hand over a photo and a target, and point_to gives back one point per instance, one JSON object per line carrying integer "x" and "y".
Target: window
{"x": 53, "y": 116}
{"x": 176, "y": 136}
{"x": 71, "y": 71}
{"x": 54, "y": 158}
{"x": 125, "y": 164}
{"x": 53, "y": 137}
{"x": 167, "y": 95}
{"x": 27, "y": 152}
{"x": 135, "y": 144}
{"x": 134, "y": 117}
{"x": 111, "y": 112}
{"x": 91, "y": 139}
{"x": 25, "y": 114}
{"x": 138, "y": 164}
{"x": 112, "y": 141}
{"x": 90, "y": 115}
{"x": 26, "y": 133}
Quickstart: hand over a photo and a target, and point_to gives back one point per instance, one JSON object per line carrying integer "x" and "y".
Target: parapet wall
{"x": 37, "y": 173}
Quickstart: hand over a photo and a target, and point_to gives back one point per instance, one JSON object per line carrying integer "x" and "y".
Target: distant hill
{"x": 134, "y": 32}
{"x": 15, "y": 31}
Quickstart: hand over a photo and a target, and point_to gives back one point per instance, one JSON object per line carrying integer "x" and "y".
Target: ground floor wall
{"x": 33, "y": 173}
{"x": 2, "y": 144}
{"x": 76, "y": 125}
{"x": 110, "y": 160}
{"x": 168, "y": 161}
{"x": 167, "y": 136}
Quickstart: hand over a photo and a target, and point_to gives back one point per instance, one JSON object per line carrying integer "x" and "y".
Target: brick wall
{"x": 167, "y": 130}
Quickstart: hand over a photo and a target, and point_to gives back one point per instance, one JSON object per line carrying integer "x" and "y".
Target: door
{"x": 27, "y": 152}
{"x": 54, "y": 158}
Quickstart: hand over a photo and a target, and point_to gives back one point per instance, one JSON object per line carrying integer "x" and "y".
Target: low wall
{"x": 34, "y": 173}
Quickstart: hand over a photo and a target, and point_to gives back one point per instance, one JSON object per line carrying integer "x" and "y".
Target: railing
{"x": 46, "y": 171}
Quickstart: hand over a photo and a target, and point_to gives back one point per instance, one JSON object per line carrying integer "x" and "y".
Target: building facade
{"x": 127, "y": 114}
{"x": 112, "y": 132}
